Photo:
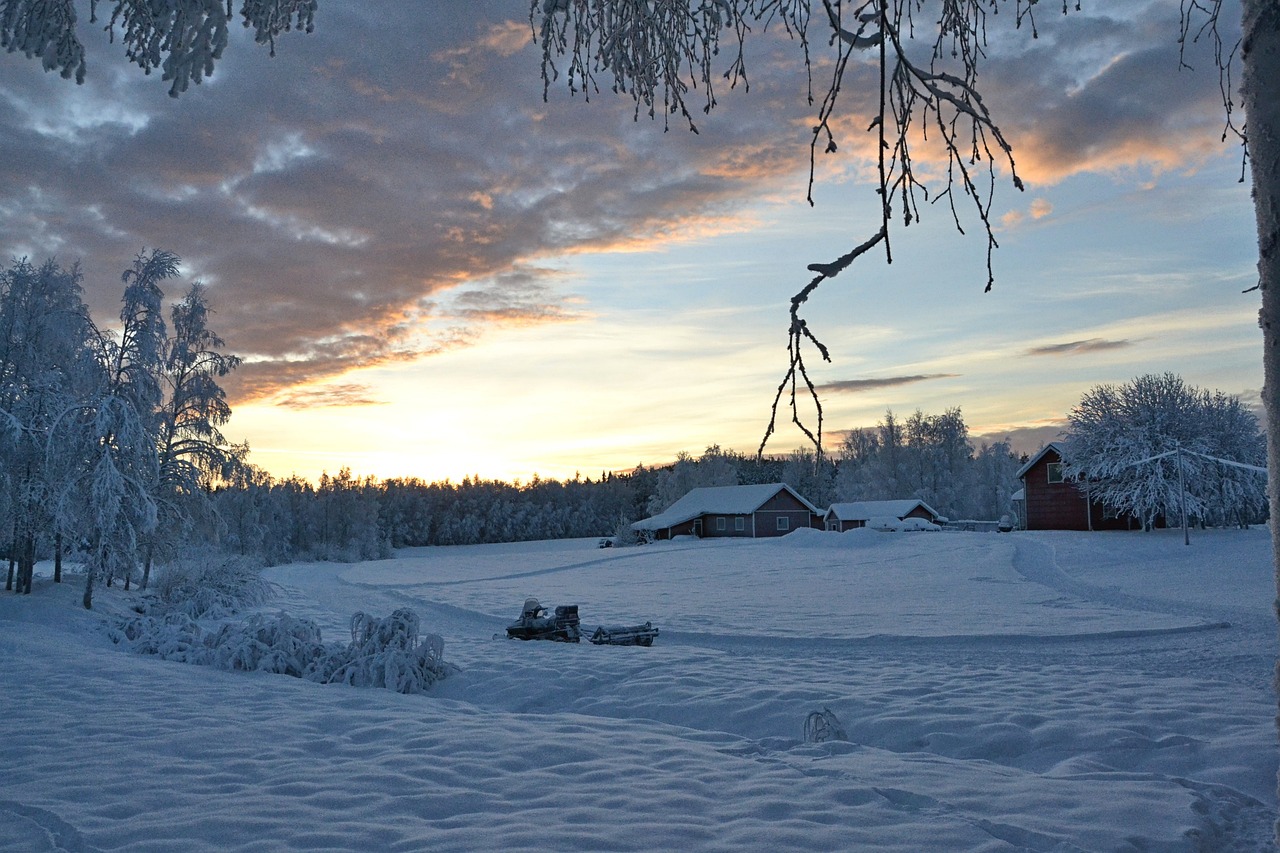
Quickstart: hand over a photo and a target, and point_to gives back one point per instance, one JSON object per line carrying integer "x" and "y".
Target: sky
{"x": 431, "y": 271}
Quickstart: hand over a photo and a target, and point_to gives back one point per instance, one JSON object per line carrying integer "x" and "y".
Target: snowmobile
{"x": 625, "y": 635}
{"x": 535, "y": 624}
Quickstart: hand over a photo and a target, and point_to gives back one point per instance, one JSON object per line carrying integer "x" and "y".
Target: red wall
{"x": 1052, "y": 506}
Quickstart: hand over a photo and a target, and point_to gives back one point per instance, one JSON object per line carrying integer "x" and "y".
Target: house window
{"x": 1055, "y": 472}
{"x": 739, "y": 524}
{"x": 784, "y": 523}
{"x": 720, "y": 523}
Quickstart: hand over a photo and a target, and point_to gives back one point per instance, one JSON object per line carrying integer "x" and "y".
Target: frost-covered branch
{"x": 1202, "y": 19}
{"x": 923, "y": 57}
{"x": 658, "y": 52}
{"x": 182, "y": 38}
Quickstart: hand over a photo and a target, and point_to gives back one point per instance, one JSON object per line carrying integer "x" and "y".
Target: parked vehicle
{"x": 535, "y": 624}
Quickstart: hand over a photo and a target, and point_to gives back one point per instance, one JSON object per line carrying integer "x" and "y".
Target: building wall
{"x": 1052, "y": 506}
{"x": 842, "y": 525}
{"x": 683, "y": 529}
{"x": 711, "y": 529}
{"x": 921, "y": 512}
{"x": 1061, "y": 506}
{"x": 783, "y": 505}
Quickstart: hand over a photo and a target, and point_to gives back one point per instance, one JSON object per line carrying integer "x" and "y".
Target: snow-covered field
{"x": 1028, "y": 692}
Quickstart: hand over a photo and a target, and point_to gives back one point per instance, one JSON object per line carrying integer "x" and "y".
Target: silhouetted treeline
{"x": 345, "y": 517}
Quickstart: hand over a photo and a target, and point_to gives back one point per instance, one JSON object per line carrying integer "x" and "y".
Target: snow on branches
{"x": 183, "y": 38}
{"x": 1147, "y": 446}
{"x": 388, "y": 652}
{"x": 922, "y": 63}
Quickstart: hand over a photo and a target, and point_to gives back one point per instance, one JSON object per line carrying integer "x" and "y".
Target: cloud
{"x": 853, "y": 386}
{"x": 347, "y": 205}
{"x": 1079, "y": 347}
{"x": 1025, "y": 439}
{"x": 518, "y": 297}
{"x": 349, "y": 394}
{"x": 390, "y": 187}
{"x": 1105, "y": 94}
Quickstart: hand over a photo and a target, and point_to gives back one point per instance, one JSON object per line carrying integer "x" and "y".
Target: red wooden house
{"x": 769, "y": 509}
{"x": 1052, "y": 502}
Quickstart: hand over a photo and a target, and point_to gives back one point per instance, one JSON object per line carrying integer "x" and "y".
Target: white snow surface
{"x": 1000, "y": 692}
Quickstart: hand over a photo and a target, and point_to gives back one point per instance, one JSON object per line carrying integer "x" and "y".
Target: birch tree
{"x": 119, "y": 434}
{"x": 190, "y": 448}
{"x": 46, "y": 367}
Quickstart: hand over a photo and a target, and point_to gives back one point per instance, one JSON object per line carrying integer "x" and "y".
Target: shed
{"x": 846, "y": 516}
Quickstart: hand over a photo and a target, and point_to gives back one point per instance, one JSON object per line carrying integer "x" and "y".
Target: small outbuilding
{"x": 768, "y": 509}
{"x": 847, "y": 516}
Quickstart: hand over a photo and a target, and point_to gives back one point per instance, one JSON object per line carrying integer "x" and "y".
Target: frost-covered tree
{"x": 713, "y": 468}
{"x": 1147, "y": 446}
{"x": 937, "y": 460}
{"x": 184, "y": 39}
{"x": 117, "y": 432}
{"x": 46, "y": 368}
{"x": 925, "y": 456}
{"x": 812, "y": 475}
{"x": 190, "y": 448}
{"x": 995, "y": 480}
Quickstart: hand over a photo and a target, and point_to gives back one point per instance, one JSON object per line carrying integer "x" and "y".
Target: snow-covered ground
{"x": 1028, "y": 692}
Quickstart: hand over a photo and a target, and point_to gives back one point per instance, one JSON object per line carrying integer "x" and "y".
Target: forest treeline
{"x": 345, "y": 517}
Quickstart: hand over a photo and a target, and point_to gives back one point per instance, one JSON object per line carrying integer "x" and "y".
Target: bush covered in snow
{"x": 208, "y": 585}
{"x": 388, "y": 652}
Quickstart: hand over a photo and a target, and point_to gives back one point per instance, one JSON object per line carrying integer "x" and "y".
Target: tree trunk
{"x": 96, "y": 562}
{"x": 146, "y": 566}
{"x": 27, "y": 565}
{"x": 57, "y": 558}
{"x": 88, "y": 586}
{"x": 1260, "y": 66}
{"x": 13, "y": 556}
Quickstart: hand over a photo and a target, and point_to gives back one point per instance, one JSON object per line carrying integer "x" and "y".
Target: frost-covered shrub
{"x": 386, "y": 652}
{"x": 173, "y": 636}
{"x": 623, "y": 535}
{"x": 281, "y": 644}
{"x": 210, "y": 585}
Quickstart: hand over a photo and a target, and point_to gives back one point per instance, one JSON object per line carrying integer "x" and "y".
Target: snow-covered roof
{"x": 719, "y": 500}
{"x": 1055, "y": 446}
{"x": 865, "y": 510}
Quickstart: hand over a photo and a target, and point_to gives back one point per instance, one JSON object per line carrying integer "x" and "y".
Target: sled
{"x": 629, "y": 635}
{"x": 534, "y": 624}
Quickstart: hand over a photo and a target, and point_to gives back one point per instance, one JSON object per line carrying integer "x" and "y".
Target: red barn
{"x": 1052, "y": 502}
